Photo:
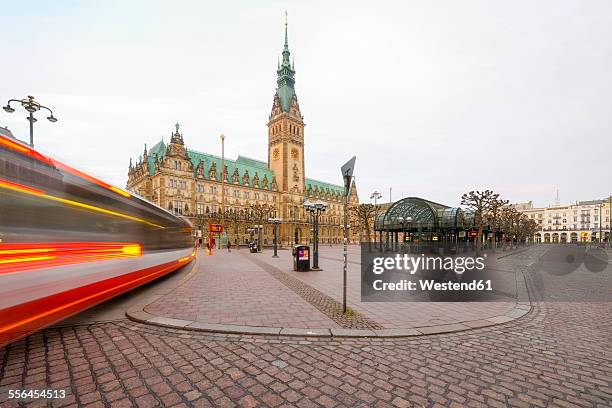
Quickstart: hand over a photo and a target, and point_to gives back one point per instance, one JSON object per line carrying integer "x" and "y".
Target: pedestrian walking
{"x": 229, "y": 246}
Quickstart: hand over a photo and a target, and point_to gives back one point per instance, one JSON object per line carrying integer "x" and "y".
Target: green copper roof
{"x": 285, "y": 78}
{"x": 251, "y": 162}
{"x": 160, "y": 150}
{"x": 322, "y": 186}
{"x": 242, "y": 164}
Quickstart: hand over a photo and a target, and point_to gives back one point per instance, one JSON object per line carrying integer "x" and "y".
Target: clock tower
{"x": 286, "y": 130}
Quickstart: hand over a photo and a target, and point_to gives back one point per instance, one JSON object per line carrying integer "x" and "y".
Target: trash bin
{"x": 301, "y": 258}
{"x": 253, "y": 247}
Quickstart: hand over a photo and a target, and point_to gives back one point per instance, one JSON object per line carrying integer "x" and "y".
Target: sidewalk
{"x": 256, "y": 293}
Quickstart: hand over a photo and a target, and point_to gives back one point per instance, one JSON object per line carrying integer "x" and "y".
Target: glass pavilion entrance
{"x": 416, "y": 225}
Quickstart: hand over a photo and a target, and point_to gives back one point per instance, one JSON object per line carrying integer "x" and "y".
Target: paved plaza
{"x": 559, "y": 354}
{"x": 241, "y": 288}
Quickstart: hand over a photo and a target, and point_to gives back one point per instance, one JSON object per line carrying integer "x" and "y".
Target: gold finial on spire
{"x": 286, "y": 24}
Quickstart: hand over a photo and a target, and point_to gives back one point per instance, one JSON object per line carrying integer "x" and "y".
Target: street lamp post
{"x": 375, "y": 195}
{"x": 31, "y": 106}
{"x": 408, "y": 220}
{"x": 275, "y": 222}
{"x": 223, "y": 183}
{"x": 315, "y": 209}
{"x": 600, "y": 221}
{"x": 259, "y": 229}
{"x": 401, "y": 221}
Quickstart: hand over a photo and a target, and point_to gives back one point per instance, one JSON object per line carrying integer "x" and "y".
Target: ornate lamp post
{"x": 315, "y": 209}
{"x": 259, "y": 229}
{"x": 275, "y": 222}
{"x": 31, "y": 106}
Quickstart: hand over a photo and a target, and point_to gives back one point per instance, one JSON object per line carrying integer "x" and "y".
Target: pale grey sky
{"x": 434, "y": 98}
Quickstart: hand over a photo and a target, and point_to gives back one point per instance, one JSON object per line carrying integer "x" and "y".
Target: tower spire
{"x": 286, "y": 52}
{"x": 286, "y": 36}
{"x": 285, "y": 75}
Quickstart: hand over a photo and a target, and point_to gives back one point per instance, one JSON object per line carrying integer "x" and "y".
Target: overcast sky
{"x": 434, "y": 98}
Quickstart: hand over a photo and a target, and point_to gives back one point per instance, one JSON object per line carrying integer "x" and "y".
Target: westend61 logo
{"x": 413, "y": 264}
{"x": 422, "y": 277}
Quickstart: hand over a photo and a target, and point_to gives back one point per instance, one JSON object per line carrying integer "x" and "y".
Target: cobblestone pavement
{"x": 558, "y": 355}
{"x": 230, "y": 290}
{"x": 240, "y": 288}
{"x": 326, "y": 304}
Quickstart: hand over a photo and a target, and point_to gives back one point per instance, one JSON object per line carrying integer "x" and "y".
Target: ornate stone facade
{"x": 188, "y": 182}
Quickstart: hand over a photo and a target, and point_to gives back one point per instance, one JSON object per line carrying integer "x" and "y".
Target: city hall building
{"x": 188, "y": 182}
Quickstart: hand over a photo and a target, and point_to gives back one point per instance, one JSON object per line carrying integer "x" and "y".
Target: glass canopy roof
{"x": 413, "y": 213}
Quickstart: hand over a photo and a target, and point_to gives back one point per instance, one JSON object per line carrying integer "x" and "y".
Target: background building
{"x": 584, "y": 221}
{"x": 188, "y": 182}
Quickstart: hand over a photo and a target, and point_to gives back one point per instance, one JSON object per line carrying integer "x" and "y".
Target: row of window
{"x": 213, "y": 190}
{"x": 182, "y": 208}
{"x": 582, "y": 220}
{"x": 576, "y": 227}
{"x": 583, "y": 213}
{"x": 293, "y": 129}
{"x": 177, "y": 184}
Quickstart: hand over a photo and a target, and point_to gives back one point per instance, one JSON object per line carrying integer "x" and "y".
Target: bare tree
{"x": 526, "y": 228}
{"x": 260, "y": 214}
{"x": 510, "y": 219}
{"x": 233, "y": 217}
{"x": 479, "y": 202}
{"x": 363, "y": 214}
{"x": 493, "y": 216}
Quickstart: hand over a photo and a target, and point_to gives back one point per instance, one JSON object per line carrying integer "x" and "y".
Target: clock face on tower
{"x": 294, "y": 154}
{"x": 275, "y": 154}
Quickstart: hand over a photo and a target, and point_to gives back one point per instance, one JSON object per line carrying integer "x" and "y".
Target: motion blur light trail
{"x": 29, "y": 190}
{"x": 24, "y": 256}
{"x": 35, "y": 155}
{"x": 23, "y": 319}
{"x": 69, "y": 241}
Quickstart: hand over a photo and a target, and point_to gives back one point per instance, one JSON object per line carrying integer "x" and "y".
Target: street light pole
{"x": 600, "y": 221}
{"x": 375, "y": 195}
{"x": 275, "y": 222}
{"x": 315, "y": 209}
{"x": 31, "y": 106}
{"x": 401, "y": 222}
{"x": 223, "y": 183}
